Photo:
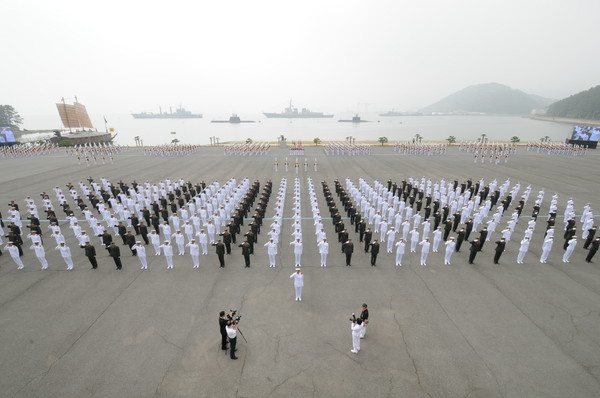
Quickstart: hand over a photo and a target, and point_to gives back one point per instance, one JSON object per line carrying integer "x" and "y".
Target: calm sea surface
{"x": 434, "y": 128}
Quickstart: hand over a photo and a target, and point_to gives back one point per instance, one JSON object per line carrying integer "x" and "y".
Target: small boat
{"x": 233, "y": 119}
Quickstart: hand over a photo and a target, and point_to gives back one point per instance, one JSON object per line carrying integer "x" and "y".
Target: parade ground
{"x": 459, "y": 330}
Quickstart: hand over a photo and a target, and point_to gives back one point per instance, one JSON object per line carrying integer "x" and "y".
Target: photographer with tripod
{"x": 232, "y": 330}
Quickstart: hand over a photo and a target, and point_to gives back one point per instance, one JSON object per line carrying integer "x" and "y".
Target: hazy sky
{"x": 253, "y": 56}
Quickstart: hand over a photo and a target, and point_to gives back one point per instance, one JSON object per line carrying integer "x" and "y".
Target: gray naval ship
{"x": 180, "y": 113}
{"x": 292, "y": 113}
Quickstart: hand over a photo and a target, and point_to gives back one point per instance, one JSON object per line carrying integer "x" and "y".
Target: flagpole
{"x": 105, "y": 124}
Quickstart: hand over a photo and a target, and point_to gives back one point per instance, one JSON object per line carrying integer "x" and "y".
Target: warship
{"x": 180, "y": 113}
{"x": 292, "y": 113}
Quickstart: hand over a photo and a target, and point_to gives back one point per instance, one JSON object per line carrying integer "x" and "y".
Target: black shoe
{"x": 234, "y": 358}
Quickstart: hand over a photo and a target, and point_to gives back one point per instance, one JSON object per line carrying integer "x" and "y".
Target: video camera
{"x": 353, "y": 319}
{"x": 232, "y": 316}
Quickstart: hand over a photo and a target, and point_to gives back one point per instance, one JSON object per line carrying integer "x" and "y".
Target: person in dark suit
{"x": 500, "y": 245}
{"x": 593, "y": 249}
{"x": 115, "y": 253}
{"x": 349, "y": 249}
{"x": 222, "y": 324}
{"x": 374, "y": 252}
{"x": 144, "y": 232}
{"x": 251, "y": 239}
{"x": 90, "y": 253}
{"x": 220, "y": 248}
{"x": 122, "y": 229}
{"x": 106, "y": 239}
{"x": 246, "y": 251}
{"x": 227, "y": 240}
{"x": 459, "y": 239}
{"x": 482, "y": 235}
{"x": 130, "y": 241}
{"x": 361, "y": 228}
{"x": 474, "y": 249}
{"x": 368, "y": 235}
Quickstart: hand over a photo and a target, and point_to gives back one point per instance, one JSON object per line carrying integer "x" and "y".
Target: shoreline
{"x": 566, "y": 120}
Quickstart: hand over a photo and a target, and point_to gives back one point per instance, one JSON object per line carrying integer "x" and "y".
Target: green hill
{"x": 584, "y": 105}
{"x": 490, "y": 98}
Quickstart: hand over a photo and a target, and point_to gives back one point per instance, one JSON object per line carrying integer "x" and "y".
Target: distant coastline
{"x": 566, "y": 120}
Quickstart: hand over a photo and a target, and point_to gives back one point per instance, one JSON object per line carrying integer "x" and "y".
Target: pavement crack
{"x": 285, "y": 381}
{"x": 168, "y": 341}
{"x": 414, "y": 364}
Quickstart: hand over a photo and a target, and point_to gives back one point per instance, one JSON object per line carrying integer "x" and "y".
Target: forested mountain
{"x": 490, "y": 98}
{"x": 584, "y": 105}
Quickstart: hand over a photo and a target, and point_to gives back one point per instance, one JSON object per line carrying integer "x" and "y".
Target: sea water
{"x": 396, "y": 129}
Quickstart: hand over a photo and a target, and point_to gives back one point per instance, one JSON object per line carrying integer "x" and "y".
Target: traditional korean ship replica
{"x": 180, "y": 113}
{"x": 233, "y": 119}
{"x": 355, "y": 119}
{"x": 292, "y": 113}
{"x": 81, "y": 130}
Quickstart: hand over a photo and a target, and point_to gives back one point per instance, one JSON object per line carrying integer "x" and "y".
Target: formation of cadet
{"x": 187, "y": 217}
{"x": 418, "y": 148}
{"x": 27, "y": 150}
{"x": 171, "y": 150}
{"x": 488, "y": 151}
{"x": 554, "y": 148}
{"x": 247, "y": 149}
{"x": 341, "y": 148}
{"x": 296, "y": 148}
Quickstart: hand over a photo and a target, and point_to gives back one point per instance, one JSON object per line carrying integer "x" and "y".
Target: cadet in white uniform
{"x": 391, "y": 238}
{"x": 180, "y": 241}
{"x": 400, "y": 248}
{"x": 323, "y": 250}
{"x": 272, "y": 252}
{"x": 140, "y": 252}
{"x": 40, "y": 253}
{"x": 522, "y": 250}
{"x": 546, "y": 247}
{"x": 450, "y": 246}
{"x": 298, "y": 283}
{"x": 14, "y": 254}
{"x": 155, "y": 240}
{"x": 65, "y": 252}
{"x": 194, "y": 252}
{"x": 424, "y": 250}
{"x": 297, "y": 251}
{"x": 203, "y": 239}
{"x": 167, "y": 250}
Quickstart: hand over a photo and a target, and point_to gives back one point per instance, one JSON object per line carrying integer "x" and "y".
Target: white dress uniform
{"x": 65, "y": 253}
{"x": 155, "y": 240}
{"x": 272, "y": 252}
{"x": 297, "y": 252}
{"x": 298, "y": 284}
{"x": 323, "y": 250}
{"x": 391, "y": 238}
{"x": 450, "y": 247}
{"x": 546, "y": 247}
{"x": 203, "y": 239}
{"x": 180, "y": 241}
{"x": 140, "y": 251}
{"x": 414, "y": 239}
{"x": 424, "y": 251}
{"x": 522, "y": 250}
{"x": 14, "y": 254}
{"x": 400, "y": 248}
{"x": 195, "y": 253}
{"x": 437, "y": 238}
{"x": 40, "y": 253}
{"x": 167, "y": 250}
